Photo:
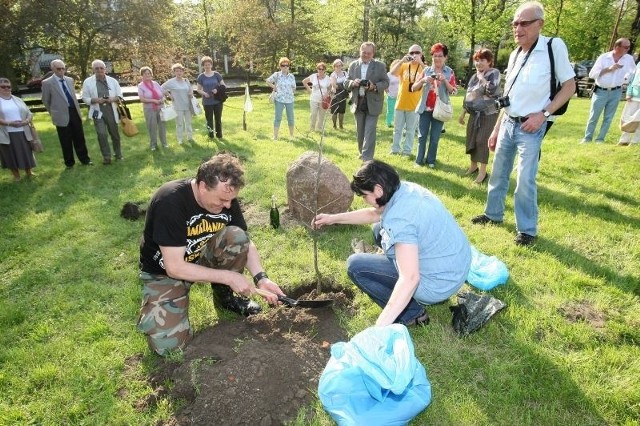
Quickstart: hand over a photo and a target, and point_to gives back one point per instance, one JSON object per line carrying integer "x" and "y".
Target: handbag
{"x": 128, "y": 127}
{"x": 167, "y": 112}
{"x": 123, "y": 109}
{"x": 196, "y": 109}
{"x": 442, "y": 111}
{"x": 326, "y": 99}
{"x": 36, "y": 144}
{"x": 272, "y": 97}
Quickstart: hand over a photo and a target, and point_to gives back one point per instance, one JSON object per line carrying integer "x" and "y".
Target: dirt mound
{"x": 256, "y": 371}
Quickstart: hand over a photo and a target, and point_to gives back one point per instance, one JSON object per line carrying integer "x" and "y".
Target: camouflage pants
{"x": 164, "y": 314}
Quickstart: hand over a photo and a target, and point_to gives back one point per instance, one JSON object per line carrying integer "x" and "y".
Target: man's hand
{"x": 534, "y": 122}
{"x": 271, "y": 287}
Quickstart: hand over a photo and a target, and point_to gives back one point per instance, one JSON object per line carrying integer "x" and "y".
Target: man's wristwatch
{"x": 260, "y": 275}
{"x": 546, "y": 113}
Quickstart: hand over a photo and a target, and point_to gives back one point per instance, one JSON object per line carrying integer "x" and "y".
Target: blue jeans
{"x": 511, "y": 141}
{"x": 403, "y": 119}
{"x": 278, "y": 118}
{"x": 431, "y": 127}
{"x": 602, "y": 100}
{"x": 376, "y": 275}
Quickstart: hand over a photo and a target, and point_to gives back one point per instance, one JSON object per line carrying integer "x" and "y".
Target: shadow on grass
{"x": 507, "y": 382}
{"x": 573, "y": 260}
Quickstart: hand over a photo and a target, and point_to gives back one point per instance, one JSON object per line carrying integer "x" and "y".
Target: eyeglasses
{"x": 60, "y": 68}
{"x": 284, "y": 65}
{"x": 321, "y": 69}
{"x": 415, "y": 53}
{"x": 98, "y": 68}
{"x": 5, "y": 86}
{"x": 626, "y": 47}
{"x": 523, "y": 24}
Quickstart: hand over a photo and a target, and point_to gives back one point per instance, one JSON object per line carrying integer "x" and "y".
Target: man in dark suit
{"x": 58, "y": 97}
{"x": 367, "y": 99}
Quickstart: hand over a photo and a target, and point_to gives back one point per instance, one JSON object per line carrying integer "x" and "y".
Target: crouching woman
{"x": 426, "y": 254}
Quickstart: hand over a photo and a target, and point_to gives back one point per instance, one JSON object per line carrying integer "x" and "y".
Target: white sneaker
{"x": 584, "y": 141}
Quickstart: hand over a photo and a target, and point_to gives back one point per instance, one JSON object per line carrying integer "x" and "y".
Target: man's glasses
{"x": 523, "y": 24}
{"x": 284, "y": 65}
{"x": 415, "y": 53}
{"x": 626, "y": 47}
{"x": 5, "y": 86}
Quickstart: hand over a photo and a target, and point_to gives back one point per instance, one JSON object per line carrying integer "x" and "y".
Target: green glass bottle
{"x": 274, "y": 214}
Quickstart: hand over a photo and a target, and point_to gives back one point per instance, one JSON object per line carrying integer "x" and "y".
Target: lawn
{"x": 564, "y": 351}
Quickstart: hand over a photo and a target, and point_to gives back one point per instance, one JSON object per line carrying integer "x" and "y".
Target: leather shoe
{"x": 421, "y": 320}
{"x": 225, "y": 298}
{"x": 483, "y": 220}
{"x": 523, "y": 239}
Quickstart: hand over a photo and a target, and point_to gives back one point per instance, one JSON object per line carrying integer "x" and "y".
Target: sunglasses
{"x": 523, "y": 24}
{"x": 5, "y": 86}
{"x": 284, "y": 66}
{"x": 415, "y": 53}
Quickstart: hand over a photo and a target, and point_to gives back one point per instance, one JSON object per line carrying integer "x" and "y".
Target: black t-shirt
{"x": 174, "y": 219}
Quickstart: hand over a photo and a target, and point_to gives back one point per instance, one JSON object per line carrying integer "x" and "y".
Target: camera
{"x": 502, "y": 102}
{"x": 364, "y": 83}
{"x": 105, "y": 97}
{"x": 409, "y": 58}
{"x": 434, "y": 76}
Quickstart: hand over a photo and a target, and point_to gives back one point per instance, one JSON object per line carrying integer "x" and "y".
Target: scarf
{"x": 154, "y": 93}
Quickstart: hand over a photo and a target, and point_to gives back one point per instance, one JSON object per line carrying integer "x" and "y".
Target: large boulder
{"x": 334, "y": 190}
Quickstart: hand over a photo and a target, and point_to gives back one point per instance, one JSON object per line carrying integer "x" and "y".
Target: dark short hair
{"x": 221, "y": 168}
{"x": 483, "y": 53}
{"x": 439, "y": 47}
{"x": 372, "y": 173}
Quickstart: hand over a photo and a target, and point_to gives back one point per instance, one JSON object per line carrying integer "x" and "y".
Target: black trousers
{"x": 72, "y": 137}
{"x": 209, "y": 112}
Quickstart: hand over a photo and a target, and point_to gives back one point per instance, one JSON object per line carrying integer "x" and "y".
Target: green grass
{"x": 69, "y": 292}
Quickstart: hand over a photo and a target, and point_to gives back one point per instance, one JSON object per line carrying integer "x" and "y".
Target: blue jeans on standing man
{"x": 602, "y": 100}
{"x": 513, "y": 140}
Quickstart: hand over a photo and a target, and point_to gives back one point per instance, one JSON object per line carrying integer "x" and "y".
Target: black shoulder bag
{"x": 555, "y": 86}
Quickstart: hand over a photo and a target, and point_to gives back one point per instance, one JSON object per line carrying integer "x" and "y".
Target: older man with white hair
{"x": 101, "y": 93}
{"x": 522, "y": 123}
{"x": 59, "y": 98}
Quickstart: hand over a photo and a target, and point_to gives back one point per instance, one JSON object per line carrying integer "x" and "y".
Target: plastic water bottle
{"x": 274, "y": 214}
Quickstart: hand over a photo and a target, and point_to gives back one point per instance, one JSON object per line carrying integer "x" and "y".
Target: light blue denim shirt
{"x": 414, "y": 215}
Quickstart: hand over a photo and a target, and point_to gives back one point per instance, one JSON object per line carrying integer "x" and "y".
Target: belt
{"x": 518, "y": 119}
{"x": 608, "y": 89}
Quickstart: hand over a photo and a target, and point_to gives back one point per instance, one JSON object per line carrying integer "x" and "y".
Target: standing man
{"x": 406, "y": 118}
{"x": 65, "y": 114}
{"x": 101, "y": 93}
{"x": 366, "y": 81}
{"x": 610, "y": 71}
{"x": 522, "y": 124}
{"x": 195, "y": 232}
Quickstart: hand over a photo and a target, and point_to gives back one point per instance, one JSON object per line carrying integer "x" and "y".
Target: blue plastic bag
{"x": 486, "y": 272}
{"x": 374, "y": 379}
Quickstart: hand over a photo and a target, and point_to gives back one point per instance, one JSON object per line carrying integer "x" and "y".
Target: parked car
{"x": 582, "y": 68}
{"x": 36, "y": 83}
